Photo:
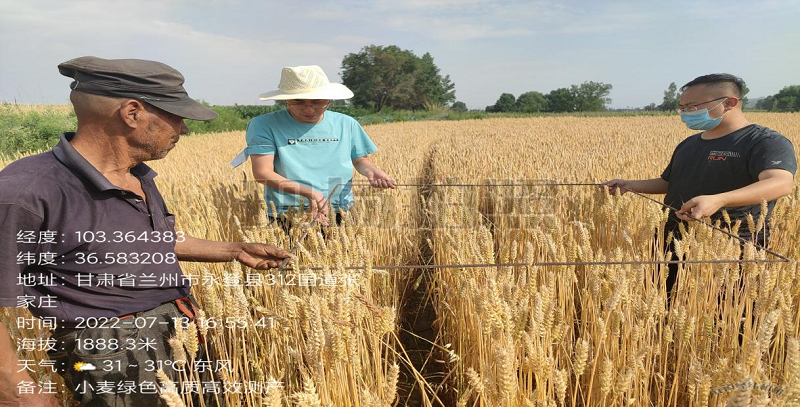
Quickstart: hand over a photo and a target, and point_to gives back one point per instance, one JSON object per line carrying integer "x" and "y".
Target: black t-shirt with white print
{"x": 707, "y": 167}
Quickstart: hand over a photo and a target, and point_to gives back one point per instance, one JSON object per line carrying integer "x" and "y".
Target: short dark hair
{"x": 732, "y": 82}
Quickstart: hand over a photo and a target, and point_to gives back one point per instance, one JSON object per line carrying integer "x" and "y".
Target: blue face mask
{"x": 700, "y": 120}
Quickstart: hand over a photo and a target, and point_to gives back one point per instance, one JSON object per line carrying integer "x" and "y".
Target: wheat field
{"x": 521, "y": 334}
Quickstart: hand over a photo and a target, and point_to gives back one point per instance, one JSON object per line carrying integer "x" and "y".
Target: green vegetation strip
{"x": 26, "y": 128}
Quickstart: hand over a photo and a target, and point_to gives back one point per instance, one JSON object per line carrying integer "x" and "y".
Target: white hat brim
{"x": 334, "y": 91}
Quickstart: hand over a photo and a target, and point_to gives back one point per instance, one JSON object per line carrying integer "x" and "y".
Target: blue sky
{"x": 230, "y": 51}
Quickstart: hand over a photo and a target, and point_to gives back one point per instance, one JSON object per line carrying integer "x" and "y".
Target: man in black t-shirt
{"x": 732, "y": 164}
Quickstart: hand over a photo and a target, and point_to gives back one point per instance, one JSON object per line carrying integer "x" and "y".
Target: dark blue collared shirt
{"x": 73, "y": 245}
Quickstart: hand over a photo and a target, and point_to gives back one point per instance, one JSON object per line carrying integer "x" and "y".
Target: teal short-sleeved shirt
{"x": 316, "y": 155}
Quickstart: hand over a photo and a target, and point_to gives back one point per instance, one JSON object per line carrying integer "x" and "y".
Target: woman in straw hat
{"x": 305, "y": 151}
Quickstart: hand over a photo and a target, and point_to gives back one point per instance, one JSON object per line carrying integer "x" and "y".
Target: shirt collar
{"x": 73, "y": 160}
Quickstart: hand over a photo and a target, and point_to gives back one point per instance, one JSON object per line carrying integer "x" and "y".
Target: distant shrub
{"x": 228, "y": 120}
{"x": 250, "y": 111}
{"x": 26, "y": 130}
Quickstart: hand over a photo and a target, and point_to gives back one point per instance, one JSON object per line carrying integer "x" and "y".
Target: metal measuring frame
{"x": 778, "y": 257}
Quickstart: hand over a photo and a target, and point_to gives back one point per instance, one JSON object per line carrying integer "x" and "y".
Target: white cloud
{"x": 330, "y": 13}
{"x": 455, "y": 28}
{"x": 213, "y": 63}
{"x": 612, "y": 18}
{"x": 442, "y": 20}
{"x": 739, "y": 12}
{"x": 359, "y": 40}
{"x": 232, "y": 50}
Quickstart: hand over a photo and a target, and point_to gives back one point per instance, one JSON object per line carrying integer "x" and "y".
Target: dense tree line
{"x": 586, "y": 97}
{"x": 390, "y": 77}
{"x": 787, "y": 100}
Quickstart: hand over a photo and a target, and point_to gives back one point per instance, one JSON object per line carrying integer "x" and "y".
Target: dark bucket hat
{"x": 148, "y": 81}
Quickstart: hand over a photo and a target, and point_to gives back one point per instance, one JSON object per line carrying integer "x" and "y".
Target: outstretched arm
{"x": 376, "y": 177}
{"x": 645, "y": 186}
{"x": 772, "y": 184}
{"x": 260, "y": 256}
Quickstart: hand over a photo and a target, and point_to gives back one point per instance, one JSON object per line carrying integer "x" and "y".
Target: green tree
{"x": 765, "y": 103}
{"x": 459, "y": 107}
{"x": 387, "y": 76}
{"x": 506, "y": 103}
{"x": 591, "y": 96}
{"x": 670, "y": 101}
{"x": 432, "y": 88}
{"x": 787, "y": 104}
{"x": 787, "y": 100}
{"x": 560, "y": 100}
{"x": 531, "y": 102}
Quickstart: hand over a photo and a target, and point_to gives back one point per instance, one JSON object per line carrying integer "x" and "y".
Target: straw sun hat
{"x": 306, "y": 82}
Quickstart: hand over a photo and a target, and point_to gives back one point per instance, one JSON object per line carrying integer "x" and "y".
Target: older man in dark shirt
{"x": 86, "y": 236}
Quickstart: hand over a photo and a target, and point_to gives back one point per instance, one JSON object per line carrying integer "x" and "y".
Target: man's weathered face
{"x": 716, "y": 99}
{"x": 162, "y": 132}
{"x": 307, "y": 110}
